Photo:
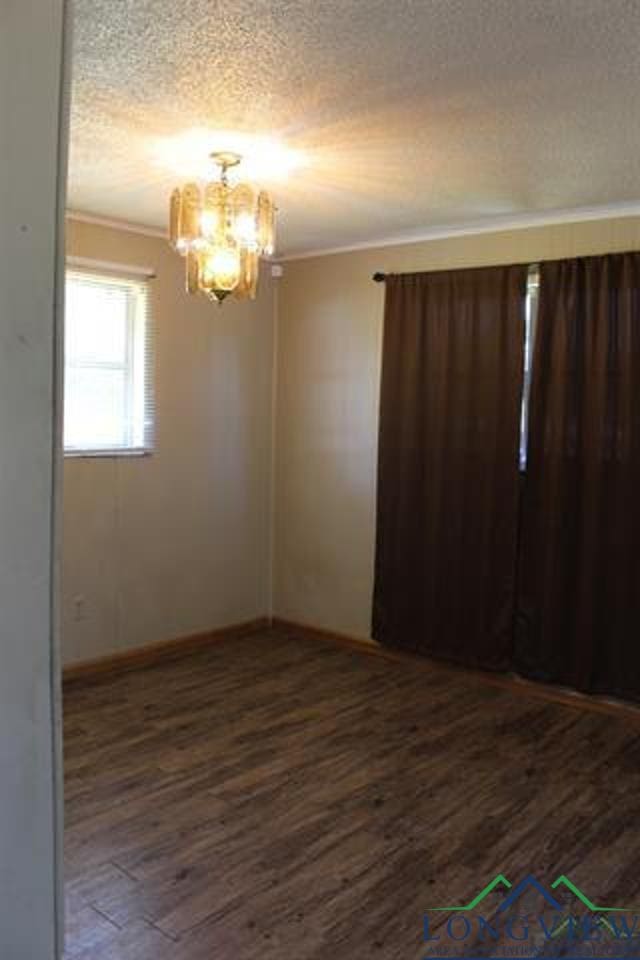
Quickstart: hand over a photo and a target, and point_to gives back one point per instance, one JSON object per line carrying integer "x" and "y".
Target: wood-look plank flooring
{"x": 275, "y": 797}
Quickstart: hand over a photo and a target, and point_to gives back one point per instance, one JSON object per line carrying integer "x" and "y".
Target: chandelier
{"x": 222, "y": 231}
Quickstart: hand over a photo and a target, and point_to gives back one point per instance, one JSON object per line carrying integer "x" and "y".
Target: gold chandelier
{"x": 222, "y": 231}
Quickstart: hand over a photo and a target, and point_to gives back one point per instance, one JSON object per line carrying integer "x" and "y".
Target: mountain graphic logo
{"x": 530, "y": 883}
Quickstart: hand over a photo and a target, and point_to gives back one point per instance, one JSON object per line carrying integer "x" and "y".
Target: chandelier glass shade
{"x": 222, "y": 231}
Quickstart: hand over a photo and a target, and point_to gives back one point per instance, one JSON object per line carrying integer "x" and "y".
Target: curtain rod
{"x": 534, "y": 267}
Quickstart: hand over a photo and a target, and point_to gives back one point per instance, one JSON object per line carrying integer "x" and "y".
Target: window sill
{"x": 108, "y": 454}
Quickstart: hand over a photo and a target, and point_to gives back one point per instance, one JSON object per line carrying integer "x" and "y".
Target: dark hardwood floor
{"x": 275, "y": 797}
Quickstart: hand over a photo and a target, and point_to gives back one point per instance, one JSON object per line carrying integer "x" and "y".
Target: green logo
{"x": 530, "y": 881}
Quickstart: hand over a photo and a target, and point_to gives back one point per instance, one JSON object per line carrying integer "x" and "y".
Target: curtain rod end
{"x": 379, "y": 277}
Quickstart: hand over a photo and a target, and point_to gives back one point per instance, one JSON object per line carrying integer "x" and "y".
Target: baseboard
{"x": 331, "y": 636}
{"x": 140, "y": 657}
{"x": 511, "y": 682}
{"x": 152, "y": 653}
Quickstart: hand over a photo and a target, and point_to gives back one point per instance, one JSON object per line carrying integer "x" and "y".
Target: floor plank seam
{"x": 167, "y": 936}
{"x": 124, "y": 871}
{"x": 104, "y": 916}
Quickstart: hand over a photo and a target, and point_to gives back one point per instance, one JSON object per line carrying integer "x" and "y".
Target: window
{"x": 531, "y": 315}
{"x": 108, "y": 402}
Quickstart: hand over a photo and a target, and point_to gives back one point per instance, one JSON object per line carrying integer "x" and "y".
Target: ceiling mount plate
{"x": 226, "y": 158}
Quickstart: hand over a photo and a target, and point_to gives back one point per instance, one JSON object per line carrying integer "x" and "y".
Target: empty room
{"x": 319, "y": 515}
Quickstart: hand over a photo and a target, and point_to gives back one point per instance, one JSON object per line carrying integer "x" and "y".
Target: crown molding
{"x": 467, "y": 228}
{"x": 472, "y": 227}
{"x": 125, "y": 225}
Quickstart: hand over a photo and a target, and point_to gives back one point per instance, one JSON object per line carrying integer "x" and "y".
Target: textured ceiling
{"x": 406, "y": 114}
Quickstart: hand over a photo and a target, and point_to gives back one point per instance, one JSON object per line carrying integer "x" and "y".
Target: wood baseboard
{"x": 140, "y": 657}
{"x": 137, "y": 657}
{"x": 331, "y": 636}
{"x": 513, "y": 683}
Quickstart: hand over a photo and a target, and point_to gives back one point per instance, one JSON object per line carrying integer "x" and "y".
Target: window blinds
{"x": 109, "y": 364}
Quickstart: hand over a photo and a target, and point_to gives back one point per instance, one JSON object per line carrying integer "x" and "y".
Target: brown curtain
{"x": 579, "y": 607}
{"x": 448, "y": 463}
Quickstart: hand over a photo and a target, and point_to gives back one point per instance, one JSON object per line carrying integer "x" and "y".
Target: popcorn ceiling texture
{"x": 410, "y": 113}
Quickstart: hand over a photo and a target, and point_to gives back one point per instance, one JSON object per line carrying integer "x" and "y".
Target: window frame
{"x": 138, "y": 324}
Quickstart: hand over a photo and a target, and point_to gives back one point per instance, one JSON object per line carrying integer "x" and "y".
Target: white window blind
{"x": 108, "y": 402}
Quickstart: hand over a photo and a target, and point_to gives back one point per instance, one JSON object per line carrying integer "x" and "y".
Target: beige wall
{"x": 329, "y": 344}
{"x": 180, "y": 542}
{"x": 177, "y": 542}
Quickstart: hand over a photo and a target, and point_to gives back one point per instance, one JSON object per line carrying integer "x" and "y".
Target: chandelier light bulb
{"x": 245, "y": 230}
{"x": 221, "y": 270}
{"x": 208, "y": 223}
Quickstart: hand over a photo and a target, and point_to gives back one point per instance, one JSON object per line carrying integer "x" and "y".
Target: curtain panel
{"x": 578, "y": 617}
{"x": 448, "y": 491}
